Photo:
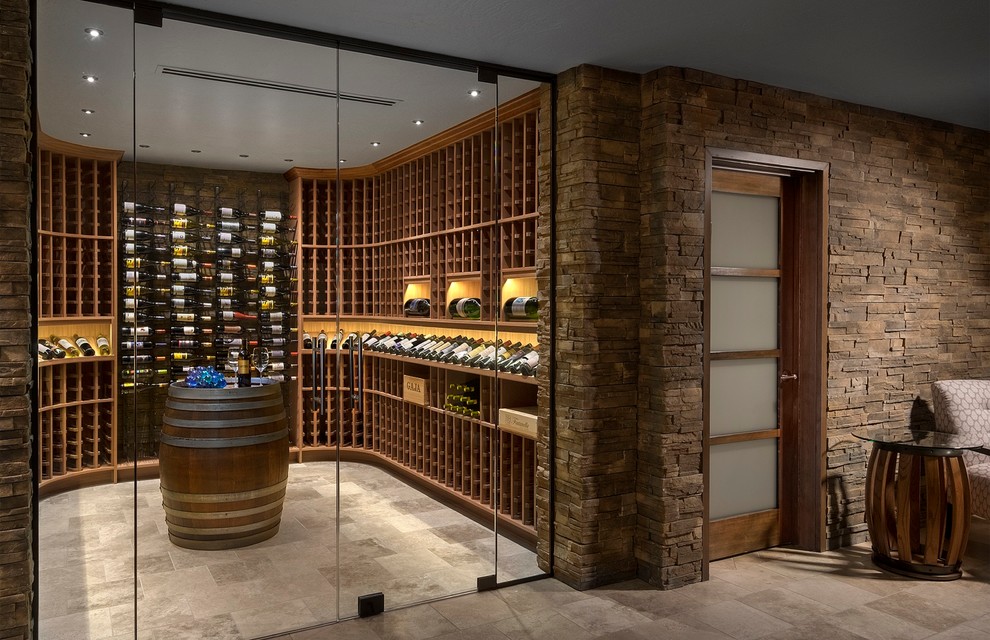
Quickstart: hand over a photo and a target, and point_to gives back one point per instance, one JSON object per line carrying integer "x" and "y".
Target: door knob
{"x": 788, "y": 376}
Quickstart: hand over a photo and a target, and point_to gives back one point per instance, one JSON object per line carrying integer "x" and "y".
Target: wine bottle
{"x": 142, "y": 276}
{"x": 227, "y": 237}
{"x": 186, "y": 223}
{"x": 132, "y": 262}
{"x": 521, "y": 308}
{"x": 273, "y": 216}
{"x": 139, "y": 235}
{"x": 231, "y": 226}
{"x": 416, "y": 307}
{"x": 46, "y": 353}
{"x": 243, "y": 369}
{"x": 234, "y": 252}
{"x": 137, "y": 248}
{"x": 131, "y": 345}
{"x": 183, "y": 236}
{"x": 135, "y": 221}
{"x": 141, "y": 358}
{"x": 142, "y": 303}
{"x": 182, "y": 290}
{"x": 230, "y": 212}
{"x": 136, "y": 207}
{"x": 84, "y": 345}
{"x": 469, "y": 308}
{"x": 184, "y": 210}
{"x": 70, "y": 349}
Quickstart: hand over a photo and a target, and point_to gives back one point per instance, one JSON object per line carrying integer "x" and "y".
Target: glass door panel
{"x": 743, "y": 374}
{"x": 414, "y": 303}
{"x": 86, "y": 578}
{"x": 519, "y": 194}
{"x": 233, "y": 540}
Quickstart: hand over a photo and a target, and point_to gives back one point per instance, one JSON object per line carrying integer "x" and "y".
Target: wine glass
{"x": 259, "y": 358}
{"x": 232, "y": 354}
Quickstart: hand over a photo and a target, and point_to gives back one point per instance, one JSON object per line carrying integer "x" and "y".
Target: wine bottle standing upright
{"x": 243, "y": 369}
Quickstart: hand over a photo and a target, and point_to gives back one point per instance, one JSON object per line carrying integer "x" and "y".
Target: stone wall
{"x": 16, "y": 363}
{"x": 597, "y": 298}
{"x": 908, "y": 273}
{"x": 159, "y": 184}
{"x": 908, "y": 295}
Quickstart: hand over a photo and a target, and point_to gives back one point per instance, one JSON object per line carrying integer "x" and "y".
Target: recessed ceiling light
{"x": 342, "y": 161}
{"x": 88, "y": 112}
{"x": 145, "y": 146}
{"x": 418, "y": 122}
{"x": 376, "y": 144}
{"x": 89, "y": 78}
{"x": 93, "y": 32}
{"x": 474, "y": 93}
{"x": 288, "y": 160}
{"x": 196, "y": 150}
{"x": 244, "y": 155}
{"x": 85, "y": 135}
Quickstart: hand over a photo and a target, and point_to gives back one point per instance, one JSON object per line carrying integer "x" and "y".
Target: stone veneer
{"x": 908, "y": 295}
{"x": 16, "y": 370}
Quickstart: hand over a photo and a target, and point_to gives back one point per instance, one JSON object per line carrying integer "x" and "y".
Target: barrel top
{"x": 259, "y": 388}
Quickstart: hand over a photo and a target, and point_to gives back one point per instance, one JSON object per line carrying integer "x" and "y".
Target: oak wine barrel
{"x": 224, "y": 464}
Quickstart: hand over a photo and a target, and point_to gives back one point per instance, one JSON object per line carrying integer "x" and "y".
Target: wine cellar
{"x": 406, "y": 288}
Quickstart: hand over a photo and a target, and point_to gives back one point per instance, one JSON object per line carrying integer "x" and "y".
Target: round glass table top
{"x": 936, "y": 443}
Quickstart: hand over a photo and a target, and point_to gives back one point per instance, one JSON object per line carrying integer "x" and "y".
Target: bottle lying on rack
{"x": 416, "y": 308}
{"x": 509, "y": 357}
{"x": 70, "y": 349}
{"x": 103, "y": 345}
{"x": 521, "y": 308}
{"x": 467, "y": 308}
{"x": 84, "y": 345}
{"x": 49, "y": 351}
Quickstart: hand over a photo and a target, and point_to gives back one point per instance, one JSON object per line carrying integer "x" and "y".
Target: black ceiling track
{"x": 150, "y": 10}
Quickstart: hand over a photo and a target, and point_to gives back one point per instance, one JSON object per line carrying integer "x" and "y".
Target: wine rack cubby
{"x": 76, "y": 249}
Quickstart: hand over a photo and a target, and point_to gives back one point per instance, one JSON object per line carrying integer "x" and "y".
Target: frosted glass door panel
{"x": 744, "y": 313}
{"x": 745, "y": 230}
{"x": 743, "y": 396}
{"x": 743, "y": 478}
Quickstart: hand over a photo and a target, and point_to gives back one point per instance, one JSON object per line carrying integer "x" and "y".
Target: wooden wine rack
{"x": 430, "y": 222}
{"x": 76, "y": 247}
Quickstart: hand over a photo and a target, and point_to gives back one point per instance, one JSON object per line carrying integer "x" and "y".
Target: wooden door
{"x": 746, "y": 381}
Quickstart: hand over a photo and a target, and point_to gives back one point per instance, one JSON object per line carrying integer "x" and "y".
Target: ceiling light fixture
{"x": 85, "y": 135}
{"x": 288, "y": 160}
{"x": 376, "y": 144}
{"x": 88, "y": 112}
{"x": 145, "y": 146}
{"x": 474, "y": 93}
{"x": 418, "y": 122}
{"x": 244, "y": 155}
{"x": 93, "y": 32}
{"x": 342, "y": 161}
{"x": 90, "y": 78}
{"x": 196, "y": 150}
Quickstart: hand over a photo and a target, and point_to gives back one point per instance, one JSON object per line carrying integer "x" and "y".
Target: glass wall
{"x": 362, "y": 227}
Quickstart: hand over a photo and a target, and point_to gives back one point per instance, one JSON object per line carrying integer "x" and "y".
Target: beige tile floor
{"x": 778, "y": 594}
{"x": 290, "y": 582}
{"x": 393, "y": 539}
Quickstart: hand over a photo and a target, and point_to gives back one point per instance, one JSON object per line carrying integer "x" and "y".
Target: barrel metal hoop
{"x": 222, "y": 406}
{"x": 220, "y": 515}
{"x": 179, "y": 390}
{"x": 254, "y": 526}
{"x": 222, "y": 443}
{"x": 204, "y": 498}
{"x": 221, "y": 424}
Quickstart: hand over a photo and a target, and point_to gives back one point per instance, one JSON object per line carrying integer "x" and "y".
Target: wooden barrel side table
{"x": 918, "y": 509}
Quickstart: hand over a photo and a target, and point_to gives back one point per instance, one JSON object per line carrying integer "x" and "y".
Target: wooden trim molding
{"x": 739, "y": 534}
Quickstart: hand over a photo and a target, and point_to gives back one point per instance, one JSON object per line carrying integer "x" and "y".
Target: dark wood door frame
{"x": 805, "y": 267}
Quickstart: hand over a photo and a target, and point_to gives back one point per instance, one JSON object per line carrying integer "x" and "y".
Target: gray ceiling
{"x": 924, "y": 57}
{"x": 920, "y": 57}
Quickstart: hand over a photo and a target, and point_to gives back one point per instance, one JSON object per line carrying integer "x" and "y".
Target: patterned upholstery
{"x": 963, "y": 406}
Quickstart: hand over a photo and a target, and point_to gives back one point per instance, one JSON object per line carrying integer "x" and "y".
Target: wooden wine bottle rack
{"x": 431, "y": 222}
{"x": 76, "y": 247}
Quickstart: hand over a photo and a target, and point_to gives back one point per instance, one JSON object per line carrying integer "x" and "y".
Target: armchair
{"x": 963, "y": 406}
